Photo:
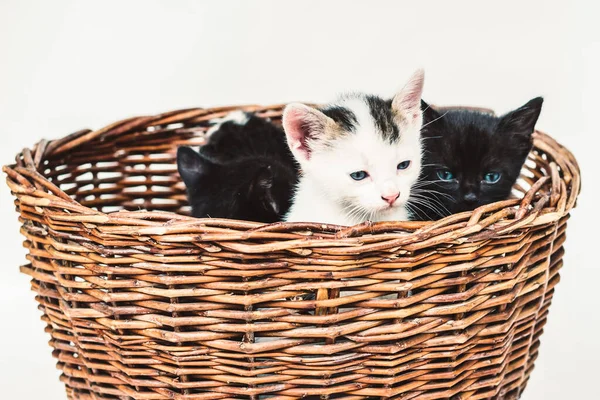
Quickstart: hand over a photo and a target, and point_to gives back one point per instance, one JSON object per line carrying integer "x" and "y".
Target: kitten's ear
{"x": 522, "y": 120}
{"x": 191, "y": 165}
{"x": 407, "y": 102}
{"x": 302, "y": 124}
{"x": 429, "y": 113}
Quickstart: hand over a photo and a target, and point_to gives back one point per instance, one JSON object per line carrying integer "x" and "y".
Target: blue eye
{"x": 492, "y": 177}
{"x": 359, "y": 175}
{"x": 404, "y": 165}
{"x": 445, "y": 175}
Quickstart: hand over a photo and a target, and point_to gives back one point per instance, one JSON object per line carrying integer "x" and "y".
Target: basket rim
{"x": 550, "y": 198}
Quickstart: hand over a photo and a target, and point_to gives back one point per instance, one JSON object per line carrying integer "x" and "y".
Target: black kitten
{"x": 243, "y": 135}
{"x": 471, "y": 158}
{"x": 244, "y": 172}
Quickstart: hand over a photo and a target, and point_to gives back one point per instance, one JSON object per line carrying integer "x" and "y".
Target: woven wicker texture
{"x": 143, "y": 303}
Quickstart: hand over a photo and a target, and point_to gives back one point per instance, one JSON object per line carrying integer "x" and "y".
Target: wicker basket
{"x": 149, "y": 304}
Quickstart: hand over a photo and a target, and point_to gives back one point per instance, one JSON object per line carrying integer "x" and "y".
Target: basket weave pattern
{"x": 148, "y": 304}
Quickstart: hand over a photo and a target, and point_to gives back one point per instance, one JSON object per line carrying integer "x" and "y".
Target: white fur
{"x": 326, "y": 193}
{"x": 238, "y": 117}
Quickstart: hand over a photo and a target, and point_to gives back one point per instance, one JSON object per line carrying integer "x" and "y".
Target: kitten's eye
{"x": 359, "y": 175}
{"x": 492, "y": 177}
{"x": 404, "y": 165}
{"x": 445, "y": 175}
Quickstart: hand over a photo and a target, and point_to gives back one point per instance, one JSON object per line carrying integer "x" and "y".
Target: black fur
{"x": 381, "y": 111}
{"x": 257, "y": 137}
{"x": 244, "y": 172}
{"x": 470, "y": 144}
{"x": 342, "y": 116}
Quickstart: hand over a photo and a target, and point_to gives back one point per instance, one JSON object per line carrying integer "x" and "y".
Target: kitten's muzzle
{"x": 471, "y": 198}
{"x": 390, "y": 199}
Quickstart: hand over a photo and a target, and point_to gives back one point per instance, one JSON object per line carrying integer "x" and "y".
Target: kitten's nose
{"x": 391, "y": 198}
{"x": 470, "y": 197}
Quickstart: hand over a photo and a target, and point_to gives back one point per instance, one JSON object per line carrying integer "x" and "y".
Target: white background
{"x": 67, "y": 65}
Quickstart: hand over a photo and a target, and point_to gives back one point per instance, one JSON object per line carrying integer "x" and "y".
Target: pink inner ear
{"x": 294, "y": 124}
{"x": 409, "y": 98}
{"x": 411, "y": 101}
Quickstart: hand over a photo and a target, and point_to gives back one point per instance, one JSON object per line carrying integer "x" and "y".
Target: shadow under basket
{"x": 144, "y": 302}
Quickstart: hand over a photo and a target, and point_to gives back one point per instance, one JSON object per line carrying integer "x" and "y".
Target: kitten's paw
{"x": 237, "y": 117}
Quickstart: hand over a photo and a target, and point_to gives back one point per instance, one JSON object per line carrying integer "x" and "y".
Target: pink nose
{"x": 391, "y": 198}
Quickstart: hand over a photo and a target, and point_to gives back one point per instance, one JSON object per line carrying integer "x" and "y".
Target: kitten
{"x": 244, "y": 172}
{"x": 242, "y": 135}
{"x": 471, "y": 158}
{"x": 359, "y": 157}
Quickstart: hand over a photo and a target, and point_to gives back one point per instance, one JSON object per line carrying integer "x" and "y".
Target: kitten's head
{"x": 252, "y": 189}
{"x": 364, "y": 152}
{"x": 473, "y": 158}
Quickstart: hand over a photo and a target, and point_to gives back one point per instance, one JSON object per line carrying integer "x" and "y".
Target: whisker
{"x": 418, "y": 210}
{"x": 432, "y": 194}
{"x": 422, "y": 192}
{"x": 421, "y": 184}
{"x": 431, "y": 122}
{"x": 432, "y": 206}
{"x": 432, "y": 165}
{"x": 413, "y": 209}
{"x": 437, "y": 204}
{"x": 436, "y": 211}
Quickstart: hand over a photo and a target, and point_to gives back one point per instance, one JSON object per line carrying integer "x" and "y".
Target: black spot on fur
{"x": 342, "y": 116}
{"x": 381, "y": 111}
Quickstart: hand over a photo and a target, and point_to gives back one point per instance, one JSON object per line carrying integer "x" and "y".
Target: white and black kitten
{"x": 244, "y": 172}
{"x": 470, "y": 158}
{"x": 359, "y": 156}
